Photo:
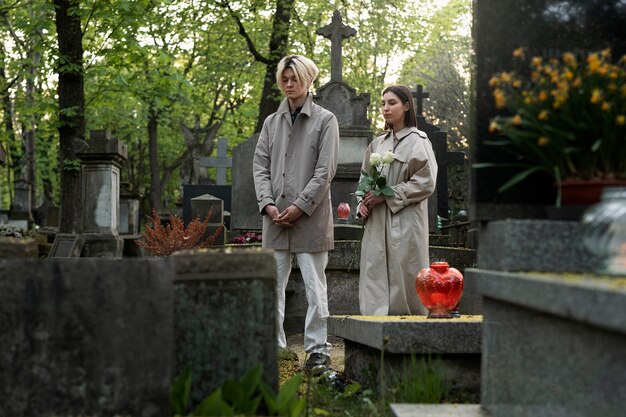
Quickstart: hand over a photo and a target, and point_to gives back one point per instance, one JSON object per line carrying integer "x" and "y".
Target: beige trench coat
{"x": 295, "y": 164}
{"x": 395, "y": 241}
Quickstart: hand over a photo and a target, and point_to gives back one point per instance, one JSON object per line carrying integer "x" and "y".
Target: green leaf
{"x": 387, "y": 191}
{"x": 211, "y": 405}
{"x": 269, "y": 397}
{"x": 596, "y": 145}
{"x": 179, "y": 393}
{"x": 518, "y": 177}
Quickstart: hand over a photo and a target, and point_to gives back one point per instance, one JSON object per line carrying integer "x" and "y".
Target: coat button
{"x": 282, "y": 196}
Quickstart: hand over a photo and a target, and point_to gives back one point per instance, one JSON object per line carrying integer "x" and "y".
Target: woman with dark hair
{"x": 395, "y": 241}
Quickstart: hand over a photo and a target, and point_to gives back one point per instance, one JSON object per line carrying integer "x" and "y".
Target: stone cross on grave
{"x": 440, "y": 146}
{"x": 336, "y": 31}
{"x": 222, "y": 162}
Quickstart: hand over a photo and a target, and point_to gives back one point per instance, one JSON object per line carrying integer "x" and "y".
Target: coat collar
{"x": 307, "y": 107}
{"x": 401, "y": 134}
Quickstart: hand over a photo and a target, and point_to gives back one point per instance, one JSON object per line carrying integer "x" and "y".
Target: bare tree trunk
{"x": 29, "y": 132}
{"x": 71, "y": 110}
{"x": 271, "y": 98}
{"x": 155, "y": 183}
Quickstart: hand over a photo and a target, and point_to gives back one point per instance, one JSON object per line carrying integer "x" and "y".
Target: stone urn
{"x": 439, "y": 288}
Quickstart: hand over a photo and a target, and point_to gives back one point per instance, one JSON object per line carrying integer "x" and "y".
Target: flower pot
{"x": 585, "y": 192}
{"x": 439, "y": 288}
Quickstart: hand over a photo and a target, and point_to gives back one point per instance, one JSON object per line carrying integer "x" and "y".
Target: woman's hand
{"x": 370, "y": 200}
{"x": 363, "y": 211}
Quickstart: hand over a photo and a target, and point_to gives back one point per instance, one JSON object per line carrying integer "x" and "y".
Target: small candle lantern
{"x": 343, "y": 211}
{"x": 439, "y": 288}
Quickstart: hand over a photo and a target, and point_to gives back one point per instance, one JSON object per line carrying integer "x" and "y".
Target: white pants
{"x": 312, "y": 266}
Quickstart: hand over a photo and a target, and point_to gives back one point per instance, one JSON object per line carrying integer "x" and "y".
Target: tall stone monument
{"x": 101, "y": 164}
{"x": 351, "y": 112}
{"x": 100, "y": 169}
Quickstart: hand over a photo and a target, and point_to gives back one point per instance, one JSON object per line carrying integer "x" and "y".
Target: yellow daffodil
{"x": 543, "y": 115}
{"x": 620, "y": 120}
{"x": 517, "y": 120}
{"x": 518, "y": 53}
{"x": 569, "y": 59}
{"x": 596, "y": 96}
{"x": 606, "y": 106}
{"x": 493, "y": 126}
{"x": 543, "y": 141}
{"x": 499, "y": 98}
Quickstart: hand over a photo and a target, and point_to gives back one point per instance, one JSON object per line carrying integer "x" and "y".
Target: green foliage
{"x": 244, "y": 397}
{"x": 188, "y": 62}
{"x": 71, "y": 165}
{"x": 420, "y": 381}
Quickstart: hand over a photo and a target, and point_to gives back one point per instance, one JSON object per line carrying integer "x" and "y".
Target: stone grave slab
{"x": 534, "y": 245}
{"x": 457, "y": 342}
{"x": 438, "y": 410}
{"x": 553, "y": 344}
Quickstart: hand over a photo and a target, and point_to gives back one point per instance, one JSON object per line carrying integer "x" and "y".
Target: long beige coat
{"x": 395, "y": 241}
{"x": 295, "y": 164}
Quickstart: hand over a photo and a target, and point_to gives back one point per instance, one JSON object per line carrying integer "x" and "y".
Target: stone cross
{"x": 222, "y": 162}
{"x": 419, "y": 94}
{"x": 444, "y": 157}
{"x": 336, "y": 31}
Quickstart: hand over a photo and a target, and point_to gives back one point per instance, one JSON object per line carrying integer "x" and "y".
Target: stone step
{"x": 438, "y": 410}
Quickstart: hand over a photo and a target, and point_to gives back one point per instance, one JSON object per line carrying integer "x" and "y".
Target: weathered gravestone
{"x": 213, "y": 207}
{"x": 86, "y": 337}
{"x": 544, "y": 28}
{"x": 225, "y": 315}
{"x": 100, "y": 167}
{"x": 20, "y": 214}
{"x": 245, "y": 212}
{"x": 191, "y": 191}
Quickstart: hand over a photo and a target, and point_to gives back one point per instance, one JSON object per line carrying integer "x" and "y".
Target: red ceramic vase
{"x": 439, "y": 288}
{"x": 343, "y": 211}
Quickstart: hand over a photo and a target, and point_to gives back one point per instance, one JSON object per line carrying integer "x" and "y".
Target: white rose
{"x": 375, "y": 159}
{"x": 388, "y": 157}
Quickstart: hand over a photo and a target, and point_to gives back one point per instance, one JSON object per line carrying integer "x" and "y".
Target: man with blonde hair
{"x": 294, "y": 163}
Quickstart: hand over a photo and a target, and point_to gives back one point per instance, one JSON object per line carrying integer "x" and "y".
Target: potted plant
{"x": 566, "y": 117}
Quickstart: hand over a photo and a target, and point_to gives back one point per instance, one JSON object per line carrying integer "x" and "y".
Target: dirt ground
{"x": 295, "y": 343}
